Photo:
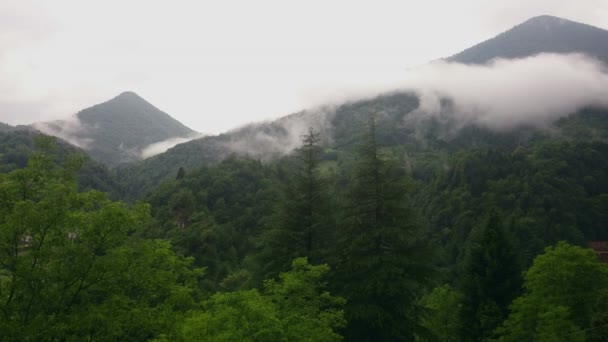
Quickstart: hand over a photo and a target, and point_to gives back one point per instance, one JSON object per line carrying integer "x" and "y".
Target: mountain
{"x": 342, "y": 124}
{"x": 116, "y": 131}
{"x": 538, "y": 35}
{"x": 425, "y": 145}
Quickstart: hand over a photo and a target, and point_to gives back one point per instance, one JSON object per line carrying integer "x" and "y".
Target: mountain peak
{"x": 546, "y": 19}
{"x": 129, "y": 96}
{"x": 118, "y": 129}
{"x": 548, "y": 22}
{"x": 128, "y": 93}
{"x": 541, "y": 34}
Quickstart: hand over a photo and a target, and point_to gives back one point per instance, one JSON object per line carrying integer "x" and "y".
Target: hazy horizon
{"x": 216, "y": 67}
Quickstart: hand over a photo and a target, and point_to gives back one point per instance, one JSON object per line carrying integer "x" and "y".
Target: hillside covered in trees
{"x": 119, "y": 130}
{"x": 366, "y": 221}
{"x": 363, "y": 244}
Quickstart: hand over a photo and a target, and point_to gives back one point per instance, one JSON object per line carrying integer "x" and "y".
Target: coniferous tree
{"x": 491, "y": 280}
{"x": 382, "y": 261}
{"x": 181, "y": 173}
{"x": 302, "y": 224}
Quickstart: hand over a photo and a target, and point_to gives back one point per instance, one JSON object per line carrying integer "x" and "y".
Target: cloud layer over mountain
{"x": 162, "y": 146}
{"x": 507, "y": 94}
{"x": 214, "y": 68}
{"x": 501, "y": 95}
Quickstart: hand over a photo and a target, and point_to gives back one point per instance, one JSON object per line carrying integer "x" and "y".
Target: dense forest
{"x": 461, "y": 207}
{"x": 374, "y": 237}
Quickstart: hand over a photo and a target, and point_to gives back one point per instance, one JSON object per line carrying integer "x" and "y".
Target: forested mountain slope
{"x": 487, "y": 204}
{"x": 337, "y": 124}
{"x": 5, "y": 127}
{"x": 367, "y": 221}
{"x": 116, "y": 131}
{"x": 18, "y": 144}
{"x": 266, "y": 141}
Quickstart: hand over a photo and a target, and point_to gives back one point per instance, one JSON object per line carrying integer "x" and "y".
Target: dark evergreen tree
{"x": 181, "y": 173}
{"x": 302, "y": 224}
{"x": 491, "y": 280}
{"x": 382, "y": 262}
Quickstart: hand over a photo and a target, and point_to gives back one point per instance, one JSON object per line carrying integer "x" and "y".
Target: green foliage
{"x": 382, "y": 260}
{"x": 490, "y": 281}
{"x": 16, "y": 147}
{"x": 302, "y": 225}
{"x": 234, "y": 316}
{"x": 181, "y": 206}
{"x": 296, "y": 308}
{"x": 71, "y": 269}
{"x": 442, "y": 321}
{"x": 565, "y": 289}
{"x": 214, "y": 214}
{"x": 554, "y": 325}
{"x": 546, "y": 192}
{"x": 244, "y": 220}
{"x": 541, "y": 188}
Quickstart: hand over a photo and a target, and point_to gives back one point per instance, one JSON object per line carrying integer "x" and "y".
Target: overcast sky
{"x": 215, "y": 65}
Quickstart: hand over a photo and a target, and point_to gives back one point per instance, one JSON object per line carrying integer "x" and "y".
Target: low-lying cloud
{"x": 76, "y": 133}
{"x": 501, "y": 95}
{"x": 70, "y": 130}
{"x": 270, "y": 139}
{"x": 507, "y": 94}
{"x": 162, "y": 146}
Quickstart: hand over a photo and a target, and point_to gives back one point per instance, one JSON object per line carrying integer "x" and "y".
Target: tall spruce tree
{"x": 302, "y": 224}
{"x": 382, "y": 260}
{"x": 491, "y": 280}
